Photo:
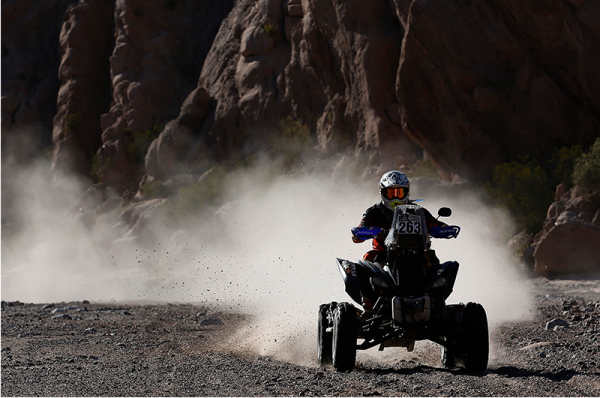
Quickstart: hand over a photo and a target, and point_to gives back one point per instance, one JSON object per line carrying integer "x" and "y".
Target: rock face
{"x": 331, "y": 66}
{"x": 30, "y": 58}
{"x": 480, "y": 83}
{"x": 574, "y": 204}
{"x": 159, "y": 51}
{"x": 85, "y": 45}
{"x": 570, "y": 239}
{"x": 473, "y": 84}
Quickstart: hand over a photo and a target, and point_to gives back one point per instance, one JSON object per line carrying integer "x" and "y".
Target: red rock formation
{"x": 163, "y": 157}
{"x": 481, "y": 83}
{"x": 85, "y": 44}
{"x": 30, "y": 59}
{"x": 473, "y": 83}
{"x": 570, "y": 239}
{"x": 570, "y": 247}
{"x": 316, "y": 61}
{"x": 159, "y": 50}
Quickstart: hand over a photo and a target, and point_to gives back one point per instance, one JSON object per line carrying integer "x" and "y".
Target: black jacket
{"x": 380, "y": 216}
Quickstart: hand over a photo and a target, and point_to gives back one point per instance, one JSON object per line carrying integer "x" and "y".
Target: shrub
{"x": 270, "y": 28}
{"x": 292, "y": 140}
{"x": 72, "y": 122}
{"x": 526, "y": 189}
{"x": 190, "y": 202}
{"x": 562, "y": 162}
{"x": 153, "y": 189}
{"x": 100, "y": 164}
{"x": 586, "y": 172}
{"x": 139, "y": 147}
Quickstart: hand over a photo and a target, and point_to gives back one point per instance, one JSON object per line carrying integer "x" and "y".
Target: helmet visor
{"x": 394, "y": 192}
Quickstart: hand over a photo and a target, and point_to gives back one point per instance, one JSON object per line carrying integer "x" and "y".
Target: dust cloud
{"x": 268, "y": 252}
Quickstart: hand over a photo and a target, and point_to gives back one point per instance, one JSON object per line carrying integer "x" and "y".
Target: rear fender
{"x": 348, "y": 271}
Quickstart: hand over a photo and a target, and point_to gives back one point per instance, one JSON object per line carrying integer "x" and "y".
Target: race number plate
{"x": 408, "y": 224}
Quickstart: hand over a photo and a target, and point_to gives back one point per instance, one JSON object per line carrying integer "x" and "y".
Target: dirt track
{"x": 90, "y": 349}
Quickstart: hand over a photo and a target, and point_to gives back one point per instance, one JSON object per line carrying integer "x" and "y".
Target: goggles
{"x": 394, "y": 192}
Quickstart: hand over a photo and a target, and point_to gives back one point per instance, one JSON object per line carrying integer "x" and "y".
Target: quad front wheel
{"x": 324, "y": 347}
{"x": 344, "y": 337}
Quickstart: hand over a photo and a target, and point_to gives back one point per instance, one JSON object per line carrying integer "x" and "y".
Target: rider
{"x": 394, "y": 188}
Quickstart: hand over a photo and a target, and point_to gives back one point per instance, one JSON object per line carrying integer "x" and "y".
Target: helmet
{"x": 394, "y": 188}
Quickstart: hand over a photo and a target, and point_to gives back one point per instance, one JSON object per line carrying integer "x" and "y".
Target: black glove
{"x": 382, "y": 235}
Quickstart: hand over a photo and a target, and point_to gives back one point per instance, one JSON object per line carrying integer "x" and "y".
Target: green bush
{"x": 139, "y": 147}
{"x": 562, "y": 163}
{"x": 526, "y": 189}
{"x": 270, "y": 28}
{"x": 190, "y": 203}
{"x": 100, "y": 164}
{"x": 293, "y": 139}
{"x": 72, "y": 122}
{"x": 153, "y": 189}
{"x": 586, "y": 172}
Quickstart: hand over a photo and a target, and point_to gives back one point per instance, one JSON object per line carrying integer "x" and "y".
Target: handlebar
{"x": 447, "y": 232}
{"x": 366, "y": 232}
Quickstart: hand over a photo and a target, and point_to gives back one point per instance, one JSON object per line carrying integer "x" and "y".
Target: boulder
{"x": 569, "y": 247}
{"x": 165, "y": 154}
{"x": 138, "y": 218}
{"x": 573, "y": 205}
{"x": 570, "y": 238}
{"x": 550, "y": 325}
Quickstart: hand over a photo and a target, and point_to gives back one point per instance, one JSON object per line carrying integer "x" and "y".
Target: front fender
{"x": 348, "y": 271}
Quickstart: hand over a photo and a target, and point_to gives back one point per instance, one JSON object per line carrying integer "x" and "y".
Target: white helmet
{"x": 394, "y": 188}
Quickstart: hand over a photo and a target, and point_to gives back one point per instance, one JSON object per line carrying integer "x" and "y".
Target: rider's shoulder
{"x": 378, "y": 209}
{"x": 427, "y": 212}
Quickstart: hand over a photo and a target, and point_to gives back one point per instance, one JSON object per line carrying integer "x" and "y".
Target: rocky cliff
{"x": 471, "y": 83}
{"x": 30, "y": 59}
{"x": 92, "y": 76}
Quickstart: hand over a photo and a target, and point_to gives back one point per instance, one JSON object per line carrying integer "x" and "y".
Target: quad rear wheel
{"x": 448, "y": 357}
{"x": 450, "y": 352}
{"x": 344, "y": 337}
{"x": 476, "y": 344}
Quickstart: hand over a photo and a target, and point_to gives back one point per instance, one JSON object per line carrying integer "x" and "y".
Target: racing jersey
{"x": 381, "y": 216}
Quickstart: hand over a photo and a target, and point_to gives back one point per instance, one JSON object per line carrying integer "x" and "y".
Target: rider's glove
{"x": 356, "y": 239}
{"x": 382, "y": 235}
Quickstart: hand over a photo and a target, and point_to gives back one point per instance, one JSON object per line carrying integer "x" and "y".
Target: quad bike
{"x": 410, "y": 292}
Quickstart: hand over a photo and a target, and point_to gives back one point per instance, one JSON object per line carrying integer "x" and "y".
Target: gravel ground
{"x": 95, "y": 349}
